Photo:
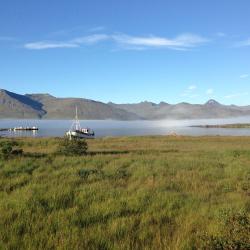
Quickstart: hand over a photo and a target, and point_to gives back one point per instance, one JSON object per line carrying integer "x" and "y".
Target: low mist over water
{"x": 104, "y": 128}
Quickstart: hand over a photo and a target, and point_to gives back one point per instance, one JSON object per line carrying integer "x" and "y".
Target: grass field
{"x": 128, "y": 193}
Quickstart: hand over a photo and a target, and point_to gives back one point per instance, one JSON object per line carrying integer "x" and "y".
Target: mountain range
{"x": 46, "y": 106}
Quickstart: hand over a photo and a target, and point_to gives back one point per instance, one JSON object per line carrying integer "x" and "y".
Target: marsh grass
{"x": 128, "y": 193}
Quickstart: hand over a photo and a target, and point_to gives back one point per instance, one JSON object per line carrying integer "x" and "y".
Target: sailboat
{"x": 80, "y": 133}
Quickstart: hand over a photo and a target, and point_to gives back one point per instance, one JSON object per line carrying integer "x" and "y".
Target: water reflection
{"x": 25, "y": 133}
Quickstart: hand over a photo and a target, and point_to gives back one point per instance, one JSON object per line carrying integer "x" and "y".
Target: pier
{"x": 20, "y": 129}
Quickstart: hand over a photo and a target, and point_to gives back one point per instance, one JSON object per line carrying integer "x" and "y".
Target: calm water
{"x": 123, "y": 128}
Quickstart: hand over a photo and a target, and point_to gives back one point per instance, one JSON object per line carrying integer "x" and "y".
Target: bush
{"x": 72, "y": 147}
{"x": 8, "y": 148}
{"x": 234, "y": 233}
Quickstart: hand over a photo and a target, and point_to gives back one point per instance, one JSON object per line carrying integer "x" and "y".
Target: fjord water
{"x": 103, "y": 128}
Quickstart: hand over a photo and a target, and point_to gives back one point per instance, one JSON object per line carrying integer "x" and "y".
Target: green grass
{"x": 128, "y": 193}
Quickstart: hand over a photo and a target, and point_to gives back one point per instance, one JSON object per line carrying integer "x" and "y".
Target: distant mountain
{"x": 46, "y": 106}
{"x": 145, "y": 110}
{"x": 87, "y": 109}
{"x": 19, "y": 106}
{"x": 211, "y": 109}
{"x": 212, "y": 102}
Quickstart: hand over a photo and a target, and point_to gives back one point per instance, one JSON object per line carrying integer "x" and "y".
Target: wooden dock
{"x": 20, "y": 129}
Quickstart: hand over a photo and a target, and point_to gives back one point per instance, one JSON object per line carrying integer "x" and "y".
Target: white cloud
{"x": 68, "y": 44}
{"x": 209, "y": 91}
{"x": 181, "y": 42}
{"x": 235, "y": 95}
{"x": 244, "y": 76}
{"x": 90, "y": 39}
{"x": 49, "y": 45}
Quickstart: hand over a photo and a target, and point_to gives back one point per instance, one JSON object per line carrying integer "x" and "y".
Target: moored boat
{"x": 24, "y": 128}
{"x": 80, "y": 133}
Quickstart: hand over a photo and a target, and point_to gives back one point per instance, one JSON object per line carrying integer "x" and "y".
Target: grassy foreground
{"x": 128, "y": 193}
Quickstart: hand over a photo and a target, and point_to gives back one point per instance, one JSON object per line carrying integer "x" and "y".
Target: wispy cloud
{"x": 244, "y": 76}
{"x": 181, "y": 42}
{"x": 74, "y": 43}
{"x": 91, "y": 39}
{"x": 235, "y": 95}
{"x": 209, "y": 91}
{"x": 49, "y": 45}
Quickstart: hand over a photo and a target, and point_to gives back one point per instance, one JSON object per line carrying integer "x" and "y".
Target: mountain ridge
{"x": 46, "y": 106}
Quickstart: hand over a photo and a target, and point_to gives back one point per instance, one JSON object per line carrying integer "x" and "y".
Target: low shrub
{"x": 72, "y": 147}
{"x": 234, "y": 233}
{"x": 8, "y": 148}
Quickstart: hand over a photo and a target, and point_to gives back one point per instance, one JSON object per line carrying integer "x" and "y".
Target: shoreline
{"x": 233, "y": 125}
{"x": 139, "y": 137}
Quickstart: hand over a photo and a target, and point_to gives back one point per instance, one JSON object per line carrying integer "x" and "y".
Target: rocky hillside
{"x": 19, "y": 106}
{"x": 211, "y": 109}
{"x": 47, "y": 106}
{"x": 87, "y": 109}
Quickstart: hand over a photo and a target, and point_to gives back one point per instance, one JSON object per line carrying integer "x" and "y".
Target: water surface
{"x": 105, "y": 128}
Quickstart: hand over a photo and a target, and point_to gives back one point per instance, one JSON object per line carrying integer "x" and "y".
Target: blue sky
{"x": 127, "y": 51}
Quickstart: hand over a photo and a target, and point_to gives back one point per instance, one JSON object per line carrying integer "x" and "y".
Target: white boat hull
{"x": 75, "y": 134}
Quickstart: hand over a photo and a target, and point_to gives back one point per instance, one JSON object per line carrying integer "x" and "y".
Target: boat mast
{"x": 76, "y": 124}
{"x": 76, "y": 118}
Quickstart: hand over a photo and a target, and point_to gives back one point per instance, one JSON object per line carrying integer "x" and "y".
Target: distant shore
{"x": 238, "y": 125}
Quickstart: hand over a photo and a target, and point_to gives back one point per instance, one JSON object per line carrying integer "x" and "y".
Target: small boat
{"x": 24, "y": 129}
{"x": 77, "y": 132}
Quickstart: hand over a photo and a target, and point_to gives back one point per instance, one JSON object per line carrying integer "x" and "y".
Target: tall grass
{"x": 128, "y": 193}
